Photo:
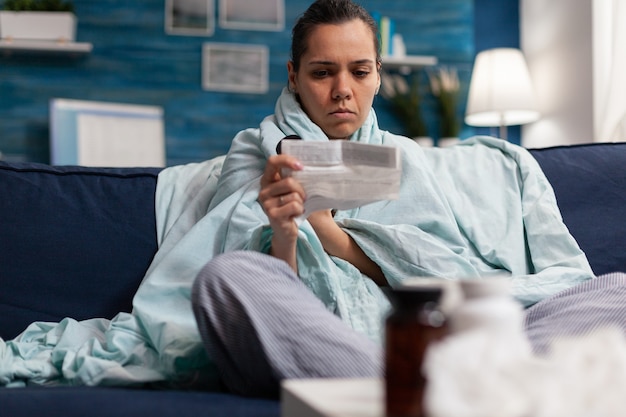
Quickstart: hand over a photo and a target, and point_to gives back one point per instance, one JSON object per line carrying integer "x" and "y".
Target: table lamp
{"x": 501, "y": 92}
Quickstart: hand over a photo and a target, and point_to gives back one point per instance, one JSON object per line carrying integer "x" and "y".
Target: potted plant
{"x": 445, "y": 86}
{"x": 405, "y": 99}
{"x": 49, "y": 20}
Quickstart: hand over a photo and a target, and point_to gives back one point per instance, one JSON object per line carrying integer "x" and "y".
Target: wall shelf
{"x": 44, "y": 47}
{"x": 409, "y": 62}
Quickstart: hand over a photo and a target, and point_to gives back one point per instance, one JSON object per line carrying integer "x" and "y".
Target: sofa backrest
{"x": 590, "y": 186}
{"x": 74, "y": 241}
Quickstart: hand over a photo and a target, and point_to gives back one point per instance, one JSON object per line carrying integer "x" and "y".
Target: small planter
{"x": 447, "y": 142}
{"x": 49, "y": 26}
{"x": 424, "y": 141}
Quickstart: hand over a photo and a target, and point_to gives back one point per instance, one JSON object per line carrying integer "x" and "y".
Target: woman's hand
{"x": 282, "y": 199}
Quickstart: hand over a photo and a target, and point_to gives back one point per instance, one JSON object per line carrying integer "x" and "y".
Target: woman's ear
{"x": 291, "y": 74}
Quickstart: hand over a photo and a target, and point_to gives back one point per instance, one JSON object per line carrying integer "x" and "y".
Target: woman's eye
{"x": 361, "y": 73}
{"x": 320, "y": 73}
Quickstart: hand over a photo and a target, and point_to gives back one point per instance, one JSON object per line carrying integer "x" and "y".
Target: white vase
{"x": 446, "y": 142}
{"x": 424, "y": 141}
{"x": 49, "y": 26}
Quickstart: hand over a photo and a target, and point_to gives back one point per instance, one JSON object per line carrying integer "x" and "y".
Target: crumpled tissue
{"x": 491, "y": 371}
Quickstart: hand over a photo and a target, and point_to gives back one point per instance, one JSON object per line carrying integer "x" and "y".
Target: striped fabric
{"x": 578, "y": 311}
{"x": 261, "y": 324}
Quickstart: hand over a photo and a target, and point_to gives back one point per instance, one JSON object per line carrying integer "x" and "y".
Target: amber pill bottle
{"x": 414, "y": 322}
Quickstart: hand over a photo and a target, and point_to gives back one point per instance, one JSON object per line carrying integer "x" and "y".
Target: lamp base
{"x": 503, "y": 132}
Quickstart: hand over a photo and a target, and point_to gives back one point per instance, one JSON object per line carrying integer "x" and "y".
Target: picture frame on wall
{"x": 106, "y": 134}
{"x": 190, "y": 17}
{"x": 240, "y": 68}
{"x": 268, "y": 15}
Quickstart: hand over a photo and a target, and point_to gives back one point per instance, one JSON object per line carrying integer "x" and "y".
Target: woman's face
{"x": 338, "y": 77}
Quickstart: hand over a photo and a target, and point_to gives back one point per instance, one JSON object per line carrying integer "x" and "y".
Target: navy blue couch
{"x": 76, "y": 242}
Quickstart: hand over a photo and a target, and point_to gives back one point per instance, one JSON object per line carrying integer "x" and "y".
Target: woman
{"x": 336, "y": 90}
{"x": 311, "y": 305}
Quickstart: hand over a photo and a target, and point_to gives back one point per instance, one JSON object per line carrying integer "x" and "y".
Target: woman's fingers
{"x": 275, "y": 166}
{"x": 274, "y": 185}
{"x": 288, "y": 199}
{"x": 282, "y": 197}
{"x": 283, "y": 206}
{"x": 281, "y": 193}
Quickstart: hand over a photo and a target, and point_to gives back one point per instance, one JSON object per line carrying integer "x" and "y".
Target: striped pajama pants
{"x": 261, "y": 324}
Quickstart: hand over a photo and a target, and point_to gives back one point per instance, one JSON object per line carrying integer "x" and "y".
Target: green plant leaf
{"x": 38, "y": 5}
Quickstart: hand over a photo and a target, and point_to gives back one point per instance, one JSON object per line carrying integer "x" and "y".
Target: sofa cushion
{"x": 590, "y": 186}
{"x": 75, "y": 241}
{"x": 120, "y": 402}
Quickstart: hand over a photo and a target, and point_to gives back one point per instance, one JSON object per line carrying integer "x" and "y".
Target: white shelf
{"x": 30, "y": 46}
{"x": 409, "y": 62}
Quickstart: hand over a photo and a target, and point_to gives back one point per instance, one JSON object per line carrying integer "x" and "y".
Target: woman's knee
{"x": 219, "y": 271}
{"x": 233, "y": 270}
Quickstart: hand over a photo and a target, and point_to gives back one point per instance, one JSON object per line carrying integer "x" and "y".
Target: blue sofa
{"x": 76, "y": 242}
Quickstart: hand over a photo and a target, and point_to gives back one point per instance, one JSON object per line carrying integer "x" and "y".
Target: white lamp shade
{"x": 501, "y": 92}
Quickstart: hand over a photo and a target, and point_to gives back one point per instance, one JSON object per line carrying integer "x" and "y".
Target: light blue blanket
{"x": 473, "y": 210}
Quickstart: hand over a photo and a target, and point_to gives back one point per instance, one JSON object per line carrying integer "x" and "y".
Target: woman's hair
{"x": 328, "y": 12}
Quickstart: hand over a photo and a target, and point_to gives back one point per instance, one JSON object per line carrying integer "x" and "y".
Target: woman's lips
{"x": 342, "y": 113}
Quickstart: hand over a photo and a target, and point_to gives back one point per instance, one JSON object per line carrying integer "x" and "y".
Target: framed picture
{"x": 252, "y": 15}
{"x": 97, "y": 133}
{"x": 235, "y": 67}
{"x": 190, "y": 17}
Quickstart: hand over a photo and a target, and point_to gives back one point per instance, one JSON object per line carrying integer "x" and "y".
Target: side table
{"x": 358, "y": 397}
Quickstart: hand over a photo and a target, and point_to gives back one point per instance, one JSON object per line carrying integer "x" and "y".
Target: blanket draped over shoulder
{"x": 481, "y": 208}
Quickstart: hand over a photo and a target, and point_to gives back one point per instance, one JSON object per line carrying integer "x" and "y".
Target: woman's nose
{"x": 341, "y": 88}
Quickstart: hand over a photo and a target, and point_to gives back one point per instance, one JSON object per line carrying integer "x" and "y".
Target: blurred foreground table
{"x": 359, "y": 397}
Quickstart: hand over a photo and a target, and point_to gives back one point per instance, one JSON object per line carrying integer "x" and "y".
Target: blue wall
{"x": 135, "y": 61}
{"x": 497, "y": 26}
